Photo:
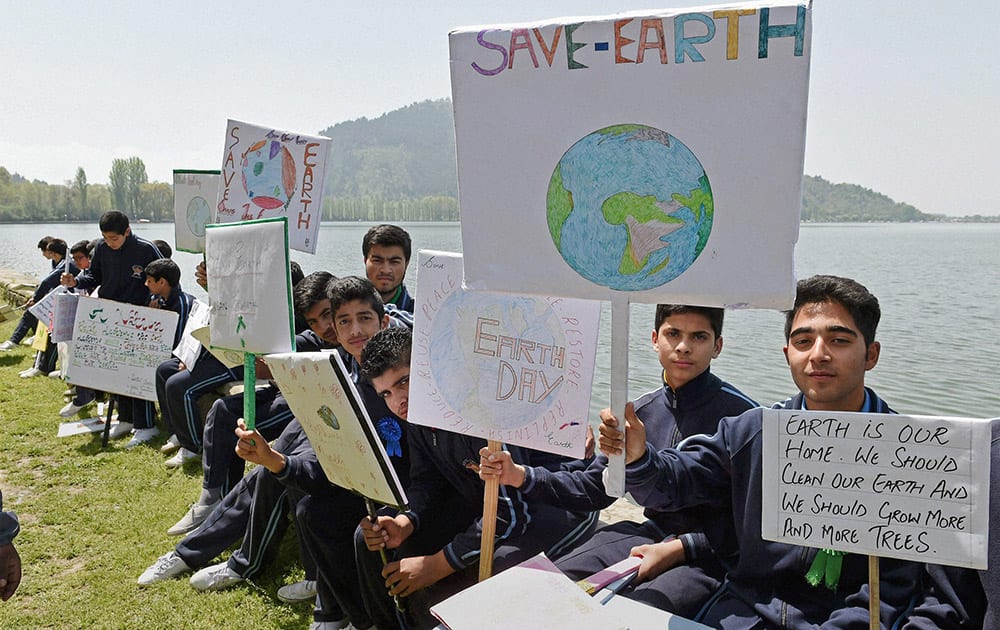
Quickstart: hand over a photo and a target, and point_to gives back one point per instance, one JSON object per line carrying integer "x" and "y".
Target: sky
{"x": 904, "y": 95}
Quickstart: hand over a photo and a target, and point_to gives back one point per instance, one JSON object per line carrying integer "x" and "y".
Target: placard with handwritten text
{"x": 653, "y": 153}
{"x": 269, "y": 173}
{"x": 910, "y": 487}
{"x": 250, "y": 286}
{"x": 117, "y": 347}
{"x": 499, "y": 366}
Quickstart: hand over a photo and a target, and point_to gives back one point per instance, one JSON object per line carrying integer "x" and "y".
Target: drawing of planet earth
{"x": 506, "y": 393}
{"x": 629, "y": 207}
{"x": 198, "y": 214}
{"x": 269, "y": 174}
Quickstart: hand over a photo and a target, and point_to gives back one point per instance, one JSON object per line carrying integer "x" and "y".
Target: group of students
{"x": 693, "y": 459}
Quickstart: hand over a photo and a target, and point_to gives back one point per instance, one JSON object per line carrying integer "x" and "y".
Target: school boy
{"x": 80, "y": 253}
{"x": 45, "y": 360}
{"x": 679, "y": 570}
{"x": 830, "y": 344}
{"x": 435, "y": 544}
{"x": 221, "y": 468}
{"x": 163, "y": 281}
{"x": 386, "y": 250}
{"x": 963, "y": 599}
{"x": 118, "y": 268}
{"x": 256, "y": 508}
{"x": 60, "y": 265}
{"x": 328, "y": 515}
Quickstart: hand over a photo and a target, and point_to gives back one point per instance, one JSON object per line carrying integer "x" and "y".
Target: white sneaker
{"x": 120, "y": 430}
{"x": 166, "y": 566}
{"x": 195, "y": 516}
{"x": 71, "y": 409}
{"x": 7, "y": 346}
{"x": 31, "y": 372}
{"x": 342, "y": 624}
{"x": 215, "y": 578}
{"x": 27, "y": 342}
{"x": 141, "y": 436}
{"x": 182, "y": 455}
{"x": 171, "y": 445}
{"x": 55, "y": 374}
{"x": 304, "y": 591}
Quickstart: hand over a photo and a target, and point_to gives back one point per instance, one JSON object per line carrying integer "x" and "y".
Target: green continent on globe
{"x": 559, "y": 202}
{"x": 646, "y": 222}
{"x": 698, "y": 199}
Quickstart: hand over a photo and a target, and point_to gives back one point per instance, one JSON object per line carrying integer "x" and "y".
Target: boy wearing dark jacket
{"x": 830, "y": 336}
{"x": 679, "y": 570}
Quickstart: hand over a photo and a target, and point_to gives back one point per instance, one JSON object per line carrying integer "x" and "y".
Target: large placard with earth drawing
{"x": 269, "y": 173}
{"x": 656, "y": 153}
{"x": 513, "y": 368}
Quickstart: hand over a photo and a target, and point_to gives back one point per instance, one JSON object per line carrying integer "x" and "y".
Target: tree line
{"x": 128, "y": 190}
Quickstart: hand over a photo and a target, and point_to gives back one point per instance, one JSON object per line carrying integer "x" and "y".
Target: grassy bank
{"x": 93, "y": 519}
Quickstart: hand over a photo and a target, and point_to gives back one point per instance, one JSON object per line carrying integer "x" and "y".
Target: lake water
{"x": 938, "y": 284}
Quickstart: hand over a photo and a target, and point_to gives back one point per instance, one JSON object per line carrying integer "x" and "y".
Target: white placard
{"x": 250, "y": 286}
{"x": 909, "y": 487}
{"x": 45, "y": 309}
{"x": 188, "y": 348}
{"x": 63, "y": 316}
{"x": 503, "y": 367}
{"x": 117, "y": 347}
{"x": 269, "y": 173}
{"x": 323, "y": 398}
{"x": 195, "y": 194}
{"x": 658, "y": 154}
{"x": 534, "y": 594}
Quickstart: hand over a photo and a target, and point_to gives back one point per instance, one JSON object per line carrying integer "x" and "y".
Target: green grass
{"x": 93, "y": 519}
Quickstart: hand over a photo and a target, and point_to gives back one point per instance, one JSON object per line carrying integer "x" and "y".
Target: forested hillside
{"x": 397, "y": 167}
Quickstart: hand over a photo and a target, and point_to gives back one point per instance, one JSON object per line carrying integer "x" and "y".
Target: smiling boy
{"x": 679, "y": 570}
{"x": 830, "y": 345}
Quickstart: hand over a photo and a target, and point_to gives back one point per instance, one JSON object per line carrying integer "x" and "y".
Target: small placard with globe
{"x": 194, "y": 196}
{"x": 269, "y": 173}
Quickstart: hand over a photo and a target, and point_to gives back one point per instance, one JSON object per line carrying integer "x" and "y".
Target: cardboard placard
{"x": 517, "y": 369}
{"x": 251, "y": 298}
{"x": 269, "y": 173}
{"x": 655, "y": 154}
{"x": 117, "y": 347}
{"x": 195, "y": 195}
{"x": 324, "y": 399}
{"x": 909, "y": 487}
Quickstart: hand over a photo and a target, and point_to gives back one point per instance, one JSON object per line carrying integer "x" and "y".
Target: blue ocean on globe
{"x": 629, "y": 207}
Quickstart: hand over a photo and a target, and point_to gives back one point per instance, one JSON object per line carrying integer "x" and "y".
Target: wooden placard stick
{"x": 490, "y": 497}
{"x": 873, "y": 593}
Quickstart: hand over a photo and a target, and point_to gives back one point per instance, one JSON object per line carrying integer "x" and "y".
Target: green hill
{"x": 823, "y": 201}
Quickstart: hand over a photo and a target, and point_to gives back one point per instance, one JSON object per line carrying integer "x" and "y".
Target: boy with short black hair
{"x": 118, "y": 268}
{"x": 386, "y": 249}
{"x": 679, "y": 570}
{"x": 54, "y": 250}
{"x": 435, "y": 545}
{"x": 830, "y": 336}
